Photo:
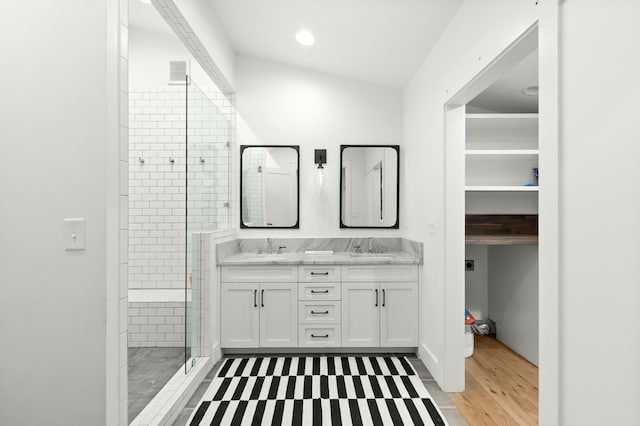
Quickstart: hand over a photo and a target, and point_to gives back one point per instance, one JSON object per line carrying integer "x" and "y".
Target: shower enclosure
{"x": 179, "y": 180}
{"x": 207, "y": 183}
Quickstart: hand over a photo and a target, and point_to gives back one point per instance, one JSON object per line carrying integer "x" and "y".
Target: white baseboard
{"x": 216, "y": 353}
{"x": 432, "y": 363}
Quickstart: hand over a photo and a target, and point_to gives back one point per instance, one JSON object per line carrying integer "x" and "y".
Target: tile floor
{"x": 149, "y": 370}
{"x": 448, "y": 408}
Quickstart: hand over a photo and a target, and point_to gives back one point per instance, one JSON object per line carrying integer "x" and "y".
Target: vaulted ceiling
{"x": 380, "y": 41}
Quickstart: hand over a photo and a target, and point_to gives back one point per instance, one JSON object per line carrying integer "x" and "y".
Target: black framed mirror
{"x": 369, "y": 186}
{"x": 269, "y": 186}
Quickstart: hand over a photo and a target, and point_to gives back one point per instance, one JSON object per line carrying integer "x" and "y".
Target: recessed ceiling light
{"x": 146, "y": 1}
{"x": 530, "y": 91}
{"x": 305, "y": 38}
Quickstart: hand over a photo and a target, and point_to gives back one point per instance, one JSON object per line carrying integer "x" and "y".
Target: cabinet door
{"x": 360, "y": 314}
{"x": 398, "y": 314}
{"x": 278, "y": 315}
{"x": 239, "y": 315}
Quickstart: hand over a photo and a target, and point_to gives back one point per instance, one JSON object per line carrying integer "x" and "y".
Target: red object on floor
{"x": 468, "y": 318}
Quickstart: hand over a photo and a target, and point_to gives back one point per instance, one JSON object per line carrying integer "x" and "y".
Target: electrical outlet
{"x": 469, "y": 265}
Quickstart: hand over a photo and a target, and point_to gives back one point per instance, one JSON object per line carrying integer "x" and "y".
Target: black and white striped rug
{"x": 314, "y": 391}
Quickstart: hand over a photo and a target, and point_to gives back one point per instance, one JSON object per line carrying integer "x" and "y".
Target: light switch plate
{"x": 431, "y": 223}
{"x": 74, "y": 233}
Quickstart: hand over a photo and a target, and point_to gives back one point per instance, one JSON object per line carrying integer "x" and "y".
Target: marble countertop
{"x": 319, "y": 258}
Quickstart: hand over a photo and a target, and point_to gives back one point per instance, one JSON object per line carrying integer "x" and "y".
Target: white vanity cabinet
{"x": 360, "y": 314}
{"x": 239, "y": 315}
{"x": 399, "y": 314}
{"x": 259, "y": 306}
{"x": 379, "y": 305}
{"x": 319, "y": 306}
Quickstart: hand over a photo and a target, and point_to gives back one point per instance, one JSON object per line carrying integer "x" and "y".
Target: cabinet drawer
{"x": 315, "y": 336}
{"x": 319, "y": 312}
{"x": 320, "y": 291}
{"x": 379, "y": 273}
{"x": 259, "y": 273}
{"x": 319, "y": 273}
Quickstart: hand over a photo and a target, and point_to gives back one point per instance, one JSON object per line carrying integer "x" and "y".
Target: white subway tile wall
{"x": 161, "y": 176}
{"x": 157, "y": 172}
{"x": 156, "y": 324}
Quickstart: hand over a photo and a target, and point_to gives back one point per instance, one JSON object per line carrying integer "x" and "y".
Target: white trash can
{"x": 468, "y": 341}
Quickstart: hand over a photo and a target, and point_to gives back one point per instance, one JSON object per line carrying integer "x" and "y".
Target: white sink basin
{"x": 374, "y": 256}
{"x": 267, "y": 256}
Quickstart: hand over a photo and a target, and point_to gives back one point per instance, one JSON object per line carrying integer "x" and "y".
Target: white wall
{"x": 477, "y": 282}
{"x": 600, "y": 200}
{"x": 149, "y": 56}
{"x": 285, "y": 105}
{"x": 513, "y": 297}
{"x": 55, "y": 118}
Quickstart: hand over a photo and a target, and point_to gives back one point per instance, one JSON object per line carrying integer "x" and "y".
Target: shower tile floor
{"x": 149, "y": 370}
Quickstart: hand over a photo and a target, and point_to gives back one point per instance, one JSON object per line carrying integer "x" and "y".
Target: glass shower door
{"x": 207, "y": 182}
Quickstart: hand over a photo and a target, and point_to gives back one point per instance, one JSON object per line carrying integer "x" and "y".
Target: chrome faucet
{"x": 371, "y": 245}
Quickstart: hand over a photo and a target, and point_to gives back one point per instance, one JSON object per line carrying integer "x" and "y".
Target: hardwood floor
{"x": 501, "y": 386}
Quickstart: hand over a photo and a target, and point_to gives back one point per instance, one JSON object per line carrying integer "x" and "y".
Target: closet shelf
{"x": 481, "y": 152}
{"x": 504, "y": 240}
{"x": 501, "y": 229}
{"x": 509, "y": 188}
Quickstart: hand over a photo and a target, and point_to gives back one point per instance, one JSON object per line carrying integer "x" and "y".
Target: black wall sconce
{"x": 320, "y": 157}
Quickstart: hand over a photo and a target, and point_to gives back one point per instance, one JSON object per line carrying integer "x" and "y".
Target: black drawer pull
{"x": 319, "y": 291}
{"x": 324, "y": 336}
{"x": 319, "y": 273}
{"x": 320, "y": 313}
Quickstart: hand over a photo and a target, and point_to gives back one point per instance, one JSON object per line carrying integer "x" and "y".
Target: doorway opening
{"x": 501, "y": 244}
{"x": 492, "y": 192}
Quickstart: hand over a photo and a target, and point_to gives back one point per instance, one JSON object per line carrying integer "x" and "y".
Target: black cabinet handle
{"x": 320, "y": 313}
{"x": 319, "y": 292}
{"x": 262, "y": 298}
{"x": 324, "y": 336}
{"x": 319, "y": 273}
{"x": 384, "y": 298}
{"x": 376, "y": 298}
{"x": 255, "y": 302}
